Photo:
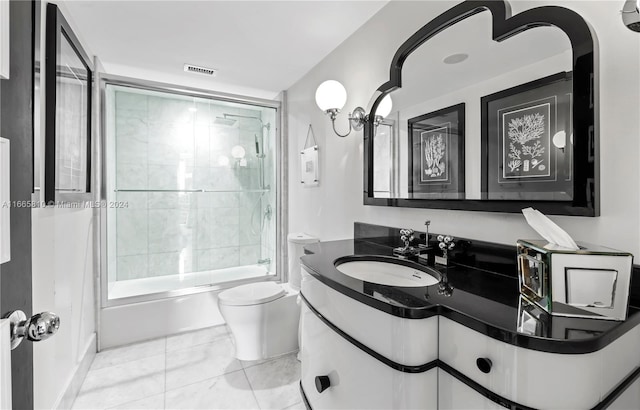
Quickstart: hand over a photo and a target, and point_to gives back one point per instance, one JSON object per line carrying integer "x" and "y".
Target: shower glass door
{"x": 191, "y": 192}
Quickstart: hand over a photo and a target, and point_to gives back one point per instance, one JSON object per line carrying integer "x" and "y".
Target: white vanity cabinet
{"x": 357, "y": 357}
{"x": 354, "y": 379}
{"x": 538, "y": 379}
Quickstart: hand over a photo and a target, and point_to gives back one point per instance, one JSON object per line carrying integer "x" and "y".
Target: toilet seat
{"x": 251, "y": 294}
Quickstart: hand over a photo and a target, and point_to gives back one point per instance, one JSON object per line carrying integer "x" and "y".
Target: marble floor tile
{"x": 250, "y": 363}
{"x": 194, "y": 364}
{"x": 197, "y": 337}
{"x": 120, "y": 355}
{"x": 148, "y": 403}
{"x": 297, "y": 406}
{"x": 195, "y": 370}
{"x": 114, "y": 385}
{"x": 229, "y": 391}
{"x": 276, "y": 383}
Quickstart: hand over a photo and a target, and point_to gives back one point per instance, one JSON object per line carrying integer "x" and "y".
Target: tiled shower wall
{"x": 165, "y": 143}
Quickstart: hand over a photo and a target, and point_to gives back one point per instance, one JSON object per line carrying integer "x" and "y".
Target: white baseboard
{"x": 68, "y": 396}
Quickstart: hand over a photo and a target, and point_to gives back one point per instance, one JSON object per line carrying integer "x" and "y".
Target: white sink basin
{"x": 386, "y": 273}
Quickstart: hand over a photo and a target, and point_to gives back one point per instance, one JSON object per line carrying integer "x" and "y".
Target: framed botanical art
{"x": 436, "y": 154}
{"x": 68, "y": 81}
{"x": 527, "y": 145}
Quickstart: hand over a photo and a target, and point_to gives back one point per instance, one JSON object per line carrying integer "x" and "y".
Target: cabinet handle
{"x": 484, "y": 364}
{"x": 322, "y": 383}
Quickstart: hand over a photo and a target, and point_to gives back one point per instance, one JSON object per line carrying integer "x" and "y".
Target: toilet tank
{"x": 297, "y": 241}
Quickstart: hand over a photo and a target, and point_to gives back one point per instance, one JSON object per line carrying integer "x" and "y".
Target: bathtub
{"x": 167, "y": 283}
{"x": 149, "y": 308}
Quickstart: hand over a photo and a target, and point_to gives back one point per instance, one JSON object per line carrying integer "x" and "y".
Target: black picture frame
{"x": 68, "y": 97}
{"x": 527, "y": 141}
{"x": 436, "y": 154}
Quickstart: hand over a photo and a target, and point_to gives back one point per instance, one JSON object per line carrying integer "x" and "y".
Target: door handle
{"x": 40, "y": 326}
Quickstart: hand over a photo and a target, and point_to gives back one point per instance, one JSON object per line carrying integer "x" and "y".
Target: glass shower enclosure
{"x": 190, "y": 189}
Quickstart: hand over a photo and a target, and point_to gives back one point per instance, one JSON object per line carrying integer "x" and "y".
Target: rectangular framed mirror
{"x": 68, "y": 80}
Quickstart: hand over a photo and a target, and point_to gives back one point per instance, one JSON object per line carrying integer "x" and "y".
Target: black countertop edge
{"x": 580, "y": 346}
{"x": 545, "y": 344}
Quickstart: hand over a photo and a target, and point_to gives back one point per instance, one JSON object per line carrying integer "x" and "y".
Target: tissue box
{"x": 591, "y": 282}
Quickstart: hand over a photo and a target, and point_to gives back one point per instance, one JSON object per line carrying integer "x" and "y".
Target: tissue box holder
{"x": 592, "y": 282}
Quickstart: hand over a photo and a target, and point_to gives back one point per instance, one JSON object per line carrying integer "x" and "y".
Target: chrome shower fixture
{"x": 631, "y": 15}
{"x": 225, "y": 121}
{"x": 249, "y": 117}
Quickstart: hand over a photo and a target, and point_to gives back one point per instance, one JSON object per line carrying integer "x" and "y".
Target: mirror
{"x": 490, "y": 113}
{"x": 68, "y": 81}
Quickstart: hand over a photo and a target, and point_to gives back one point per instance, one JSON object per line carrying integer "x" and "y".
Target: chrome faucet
{"x": 446, "y": 244}
{"x": 426, "y": 236}
{"x": 406, "y": 236}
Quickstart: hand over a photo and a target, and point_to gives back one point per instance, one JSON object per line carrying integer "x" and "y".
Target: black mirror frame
{"x": 586, "y": 173}
{"x": 56, "y": 27}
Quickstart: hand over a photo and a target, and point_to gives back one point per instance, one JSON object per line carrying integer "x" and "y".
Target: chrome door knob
{"x": 41, "y": 326}
{"x": 38, "y": 327}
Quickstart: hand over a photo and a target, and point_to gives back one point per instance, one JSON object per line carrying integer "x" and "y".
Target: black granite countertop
{"x": 487, "y": 302}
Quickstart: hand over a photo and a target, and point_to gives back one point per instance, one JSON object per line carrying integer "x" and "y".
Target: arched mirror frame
{"x": 586, "y": 182}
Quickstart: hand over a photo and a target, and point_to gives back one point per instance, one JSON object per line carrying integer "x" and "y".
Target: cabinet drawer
{"x": 356, "y": 379}
{"x": 455, "y": 395}
{"x": 528, "y": 377}
{"x": 410, "y": 342}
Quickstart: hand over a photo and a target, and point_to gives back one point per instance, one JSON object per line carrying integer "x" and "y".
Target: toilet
{"x": 264, "y": 317}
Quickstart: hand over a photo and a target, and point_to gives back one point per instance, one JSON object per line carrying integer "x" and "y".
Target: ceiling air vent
{"x": 190, "y": 68}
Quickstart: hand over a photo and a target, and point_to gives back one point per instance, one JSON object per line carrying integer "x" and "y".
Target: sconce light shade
{"x": 560, "y": 139}
{"x": 331, "y": 95}
{"x": 384, "y": 108}
{"x": 631, "y": 15}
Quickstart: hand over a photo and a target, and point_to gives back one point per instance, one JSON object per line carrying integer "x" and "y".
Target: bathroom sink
{"x": 387, "y": 271}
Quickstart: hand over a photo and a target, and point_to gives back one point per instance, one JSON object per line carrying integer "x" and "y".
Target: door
{"x": 16, "y": 125}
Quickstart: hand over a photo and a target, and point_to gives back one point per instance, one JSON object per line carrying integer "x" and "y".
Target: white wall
{"x": 63, "y": 282}
{"x": 361, "y": 63}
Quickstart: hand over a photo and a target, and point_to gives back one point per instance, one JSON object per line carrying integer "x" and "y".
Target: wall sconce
{"x": 331, "y": 97}
{"x": 631, "y": 15}
{"x": 560, "y": 140}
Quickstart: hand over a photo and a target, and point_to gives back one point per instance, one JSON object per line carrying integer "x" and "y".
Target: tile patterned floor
{"x": 194, "y": 370}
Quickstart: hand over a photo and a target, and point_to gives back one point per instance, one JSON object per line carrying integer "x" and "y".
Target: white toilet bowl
{"x": 263, "y": 317}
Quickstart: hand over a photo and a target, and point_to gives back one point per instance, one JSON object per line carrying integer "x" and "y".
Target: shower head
{"x": 225, "y": 121}
{"x": 631, "y": 15}
{"x": 249, "y": 117}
